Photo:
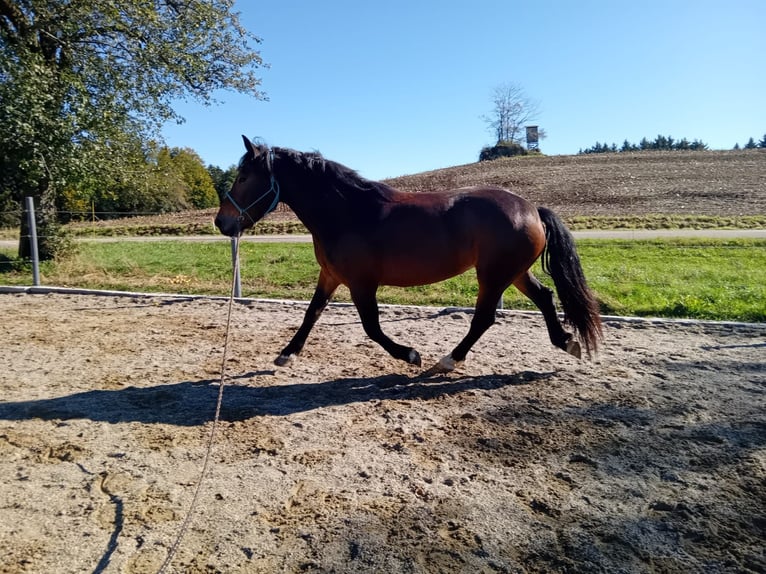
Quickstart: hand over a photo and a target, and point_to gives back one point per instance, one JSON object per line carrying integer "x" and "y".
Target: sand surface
{"x": 650, "y": 458}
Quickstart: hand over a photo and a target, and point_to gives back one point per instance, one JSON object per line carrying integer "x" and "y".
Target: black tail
{"x": 560, "y": 261}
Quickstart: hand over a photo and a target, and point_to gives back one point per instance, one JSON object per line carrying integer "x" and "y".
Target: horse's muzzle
{"x": 228, "y": 225}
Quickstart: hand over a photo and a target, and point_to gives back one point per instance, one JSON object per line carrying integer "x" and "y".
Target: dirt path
{"x": 650, "y": 458}
{"x": 302, "y": 238}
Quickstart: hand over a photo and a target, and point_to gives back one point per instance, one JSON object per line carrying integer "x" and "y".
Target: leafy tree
{"x": 199, "y": 191}
{"x": 158, "y": 179}
{"x": 124, "y": 188}
{"x": 82, "y": 81}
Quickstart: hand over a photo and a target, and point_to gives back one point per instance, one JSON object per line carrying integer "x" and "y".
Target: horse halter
{"x": 273, "y": 188}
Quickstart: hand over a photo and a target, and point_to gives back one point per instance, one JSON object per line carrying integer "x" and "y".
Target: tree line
{"x": 662, "y": 143}
{"x": 751, "y": 144}
{"x": 162, "y": 179}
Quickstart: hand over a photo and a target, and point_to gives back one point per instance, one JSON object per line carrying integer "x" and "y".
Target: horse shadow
{"x": 192, "y": 403}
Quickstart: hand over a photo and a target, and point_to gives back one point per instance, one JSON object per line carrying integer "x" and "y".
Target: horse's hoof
{"x": 284, "y": 360}
{"x": 414, "y": 358}
{"x": 445, "y": 365}
{"x": 573, "y": 348}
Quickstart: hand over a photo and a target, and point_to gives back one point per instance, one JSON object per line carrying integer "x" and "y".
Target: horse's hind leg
{"x": 367, "y": 305}
{"x": 326, "y": 286}
{"x": 541, "y": 296}
{"x": 483, "y": 319}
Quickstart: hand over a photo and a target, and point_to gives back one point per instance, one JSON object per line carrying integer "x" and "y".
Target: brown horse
{"x": 367, "y": 234}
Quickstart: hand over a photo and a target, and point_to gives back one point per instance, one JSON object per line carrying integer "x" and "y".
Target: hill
{"x": 720, "y": 183}
{"x": 677, "y": 188}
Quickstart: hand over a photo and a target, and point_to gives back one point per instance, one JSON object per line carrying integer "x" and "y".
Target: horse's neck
{"x": 323, "y": 211}
{"x": 317, "y": 214}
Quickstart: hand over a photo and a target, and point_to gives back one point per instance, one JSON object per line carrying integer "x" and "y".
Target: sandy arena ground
{"x": 651, "y": 458}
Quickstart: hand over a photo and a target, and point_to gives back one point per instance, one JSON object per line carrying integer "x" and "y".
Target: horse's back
{"x": 467, "y": 213}
{"x": 427, "y": 237}
{"x": 495, "y": 203}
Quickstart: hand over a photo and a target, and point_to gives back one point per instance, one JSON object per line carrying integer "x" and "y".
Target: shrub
{"x": 502, "y": 149}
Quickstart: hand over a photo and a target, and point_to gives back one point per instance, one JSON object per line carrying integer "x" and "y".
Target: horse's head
{"x": 253, "y": 194}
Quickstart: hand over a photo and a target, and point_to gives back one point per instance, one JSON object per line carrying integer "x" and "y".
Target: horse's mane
{"x": 337, "y": 178}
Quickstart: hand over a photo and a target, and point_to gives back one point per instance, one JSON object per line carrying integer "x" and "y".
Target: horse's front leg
{"x": 326, "y": 286}
{"x": 367, "y": 305}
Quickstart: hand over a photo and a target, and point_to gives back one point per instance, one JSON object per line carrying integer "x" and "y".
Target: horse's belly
{"x": 409, "y": 272}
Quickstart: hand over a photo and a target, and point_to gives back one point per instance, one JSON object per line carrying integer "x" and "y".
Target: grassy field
{"x": 705, "y": 279}
{"x": 646, "y": 190}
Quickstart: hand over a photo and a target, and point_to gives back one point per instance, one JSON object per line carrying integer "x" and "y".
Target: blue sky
{"x": 399, "y": 87}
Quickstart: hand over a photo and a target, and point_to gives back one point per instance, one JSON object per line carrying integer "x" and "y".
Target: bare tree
{"x": 512, "y": 111}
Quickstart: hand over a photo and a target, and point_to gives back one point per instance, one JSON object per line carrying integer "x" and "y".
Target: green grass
{"x": 665, "y": 221}
{"x": 705, "y": 279}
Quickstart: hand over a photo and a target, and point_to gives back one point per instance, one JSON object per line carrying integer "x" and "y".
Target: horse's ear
{"x": 251, "y": 149}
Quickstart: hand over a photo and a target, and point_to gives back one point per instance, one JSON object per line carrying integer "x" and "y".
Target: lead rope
{"x": 211, "y": 440}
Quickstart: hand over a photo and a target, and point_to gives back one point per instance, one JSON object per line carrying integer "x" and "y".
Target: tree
{"x": 698, "y": 145}
{"x": 82, "y": 81}
{"x": 751, "y": 144}
{"x": 660, "y": 143}
{"x": 502, "y": 149}
{"x": 762, "y": 143}
{"x": 199, "y": 191}
{"x": 222, "y": 180}
{"x": 512, "y": 111}
{"x": 627, "y": 146}
{"x": 129, "y": 187}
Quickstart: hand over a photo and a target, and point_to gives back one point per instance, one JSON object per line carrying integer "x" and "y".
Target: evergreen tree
{"x": 662, "y": 143}
{"x": 698, "y": 145}
{"x": 627, "y": 146}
